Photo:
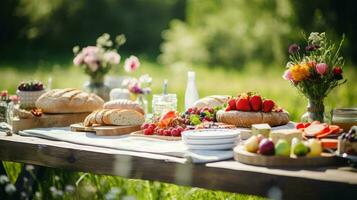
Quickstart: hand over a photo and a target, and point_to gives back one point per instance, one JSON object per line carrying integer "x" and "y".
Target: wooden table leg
{"x": 27, "y": 181}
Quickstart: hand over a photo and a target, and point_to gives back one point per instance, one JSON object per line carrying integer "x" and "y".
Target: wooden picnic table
{"x": 338, "y": 182}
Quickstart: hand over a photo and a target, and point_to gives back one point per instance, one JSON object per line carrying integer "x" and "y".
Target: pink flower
{"x": 321, "y": 68}
{"x": 14, "y": 98}
{"x": 112, "y": 57}
{"x": 78, "y": 59}
{"x": 4, "y": 93}
{"x": 287, "y": 75}
{"x": 131, "y": 64}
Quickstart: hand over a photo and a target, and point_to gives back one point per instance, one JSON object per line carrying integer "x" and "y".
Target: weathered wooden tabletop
{"x": 333, "y": 182}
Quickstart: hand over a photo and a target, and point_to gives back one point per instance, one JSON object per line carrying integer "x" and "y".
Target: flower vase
{"x": 315, "y": 111}
{"x": 97, "y": 86}
{"x": 143, "y": 102}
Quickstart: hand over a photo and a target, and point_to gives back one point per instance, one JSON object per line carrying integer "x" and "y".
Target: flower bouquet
{"x": 315, "y": 71}
{"x": 139, "y": 89}
{"x": 98, "y": 60}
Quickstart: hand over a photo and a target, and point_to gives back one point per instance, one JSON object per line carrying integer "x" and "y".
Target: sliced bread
{"x": 124, "y": 117}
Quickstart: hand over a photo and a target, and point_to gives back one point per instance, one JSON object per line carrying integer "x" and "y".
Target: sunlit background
{"x": 233, "y": 46}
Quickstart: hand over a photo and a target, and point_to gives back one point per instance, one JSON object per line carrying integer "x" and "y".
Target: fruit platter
{"x": 284, "y": 148}
{"x": 171, "y": 124}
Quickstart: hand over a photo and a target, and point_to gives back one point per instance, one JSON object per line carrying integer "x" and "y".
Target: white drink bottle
{"x": 191, "y": 95}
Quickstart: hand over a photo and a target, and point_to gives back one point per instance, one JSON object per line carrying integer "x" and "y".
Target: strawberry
{"x": 242, "y": 104}
{"x": 228, "y": 108}
{"x": 299, "y": 125}
{"x": 268, "y": 105}
{"x": 256, "y": 103}
{"x": 232, "y": 104}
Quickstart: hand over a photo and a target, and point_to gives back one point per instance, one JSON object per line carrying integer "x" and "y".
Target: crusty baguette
{"x": 247, "y": 119}
{"x": 87, "y": 121}
{"x": 211, "y": 101}
{"x": 68, "y": 100}
{"x": 99, "y": 116}
{"x": 123, "y": 104}
{"x": 124, "y": 117}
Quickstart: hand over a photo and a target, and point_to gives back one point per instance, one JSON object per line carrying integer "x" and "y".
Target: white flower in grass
{"x": 53, "y": 190}
{"x": 131, "y": 64}
{"x": 57, "y": 178}
{"x": 4, "y": 179}
{"x": 29, "y": 167}
{"x": 69, "y": 188}
{"x": 113, "y": 193}
{"x": 10, "y": 188}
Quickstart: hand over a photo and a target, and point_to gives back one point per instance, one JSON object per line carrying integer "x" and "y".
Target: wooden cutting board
{"x": 48, "y": 120}
{"x": 105, "y": 130}
{"x": 161, "y": 137}
{"x": 243, "y": 156}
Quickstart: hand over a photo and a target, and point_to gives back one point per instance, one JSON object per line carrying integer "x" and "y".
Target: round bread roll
{"x": 211, "y": 101}
{"x": 68, "y": 100}
{"x": 123, "y": 104}
{"x": 247, "y": 119}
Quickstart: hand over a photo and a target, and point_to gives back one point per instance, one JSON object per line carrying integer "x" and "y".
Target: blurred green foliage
{"x": 235, "y": 32}
{"x": 61, "y": 24}
{"x": 229, "y": 33}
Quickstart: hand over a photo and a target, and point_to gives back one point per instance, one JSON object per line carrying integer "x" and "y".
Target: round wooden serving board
{"x": 243, "y": 156}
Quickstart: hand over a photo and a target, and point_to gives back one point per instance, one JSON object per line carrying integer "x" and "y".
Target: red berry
{"x": 167, "y": 132}
{"x": 307, "y": 124}
{"x": 180, "y": 129}
{"x": 256, "y": 103}
{"x": 161, "y": 132}
{"x": 175, "y": 132}
{"x": 242, "y": 104}
{"x": 232, "y": 104}
{"x": 211, "y": 110}
{"x": 268, "y": 105}
{"x": 299, "y": 125}
{"x": 145, "y": 126}
{"x": 228, "y": 108}
{"x": 189, "y": 110}
{"x": 148, "y": 131}
{"x": 207, "y": 119}
{"x": 152, "y": 126}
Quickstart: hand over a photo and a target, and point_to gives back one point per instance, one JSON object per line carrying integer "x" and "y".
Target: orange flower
{"x": 300, "y": 71}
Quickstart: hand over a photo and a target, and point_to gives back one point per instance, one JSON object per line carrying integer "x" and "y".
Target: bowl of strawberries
{"x": 29, "y": 92}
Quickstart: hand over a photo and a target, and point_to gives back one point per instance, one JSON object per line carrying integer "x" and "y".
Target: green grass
{"x": 263, "y": 79}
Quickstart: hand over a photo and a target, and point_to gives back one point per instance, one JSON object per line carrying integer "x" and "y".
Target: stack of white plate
{"x": 210, "y": 139}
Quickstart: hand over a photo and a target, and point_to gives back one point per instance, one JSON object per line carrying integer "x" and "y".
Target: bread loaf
{"x": 123, "y": 104}
{"x": 211, "y": 101}
{"x": 124, "y": 117}
{"x": 68, "y": 100}
{"x": 247, "y": 119}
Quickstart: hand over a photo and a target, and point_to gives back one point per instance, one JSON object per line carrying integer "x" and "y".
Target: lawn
{"x": 253, "y": 77}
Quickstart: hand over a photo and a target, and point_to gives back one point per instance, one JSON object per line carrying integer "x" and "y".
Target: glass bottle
{"x": 191, "y": 95}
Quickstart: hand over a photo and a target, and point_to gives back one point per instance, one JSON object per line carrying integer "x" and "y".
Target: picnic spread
{"x": 248, "y": 131}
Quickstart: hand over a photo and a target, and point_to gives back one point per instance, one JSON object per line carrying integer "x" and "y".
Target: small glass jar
{"x": 162, "y": 103}
{"x": 344, "y": 118}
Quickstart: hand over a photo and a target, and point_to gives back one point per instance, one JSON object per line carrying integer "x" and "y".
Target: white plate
{"x": 202, "y": 134}
{"x": 211, "y": 146}
{"x": 209, "y": 141}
